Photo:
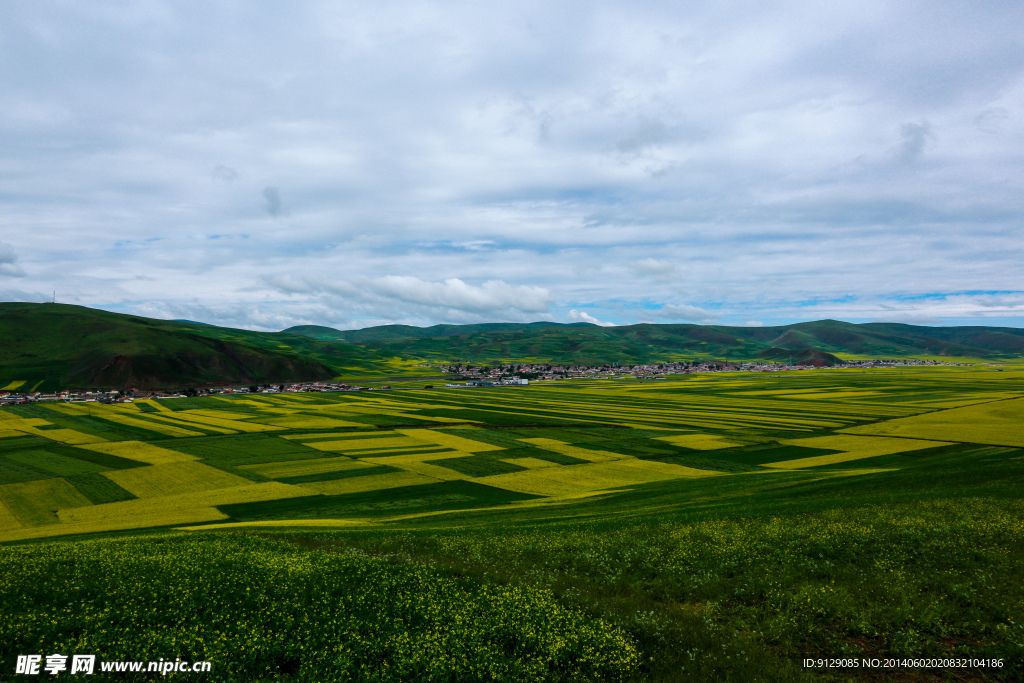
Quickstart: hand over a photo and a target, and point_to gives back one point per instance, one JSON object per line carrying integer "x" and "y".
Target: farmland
{"x": 717, "y": 527}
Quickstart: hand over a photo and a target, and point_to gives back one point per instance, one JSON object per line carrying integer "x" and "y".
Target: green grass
{"x": 98, "y": 489}
{"x": 57, "y": 464}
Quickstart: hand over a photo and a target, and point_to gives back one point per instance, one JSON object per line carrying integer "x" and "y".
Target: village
{"x": 473, "y": 376}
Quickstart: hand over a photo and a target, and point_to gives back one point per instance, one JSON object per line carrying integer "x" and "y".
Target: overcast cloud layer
{"x": 265, "y": 164}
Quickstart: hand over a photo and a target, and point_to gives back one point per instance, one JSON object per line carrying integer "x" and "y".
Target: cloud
{"x": 915, "y": 136}
{"x": 693, "y": 314}
{"x": 409, "y": 297}
{"x": 8, "y": 262}
{"x": 653, "y": 268}
{"x": 648, "y": 134}
{"x": 225, "y": 174}
{"x": 778, "y": 161}
{"x": 584, "y": 317}
{"x": 453, "y": 293}
{"x": 273, "y": 201}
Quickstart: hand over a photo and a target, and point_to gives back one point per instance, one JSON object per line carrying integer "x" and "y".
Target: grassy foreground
{"x": 707, "y": 530}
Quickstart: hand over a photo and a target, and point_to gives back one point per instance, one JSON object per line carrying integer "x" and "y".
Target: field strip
{"x": 69, "y": 436}
{"x": 14, "y": 385}
{"x": 173, "y": 478}
{"x": 140, "y": 451}
{"x": 5, "y": 433}
{"x": 34, "y": 502}
{"x": 7, "y": 519}
{"x": 995, "y": 423}
{"x": 139, "y": 521}
{"x": 309, "y": 422}
{"x": 574, "y": 479}
{"x": 280, "y": 523}
{"x": 250, "y": 493}
{"x": 335, "y": 435}
{"x": 532, "y": 463}
{"x": 155, "y": 404}
{"x": 149, "y": 425}
{"x": 60, "y": 465}
{"x": 366, "y": 445}
{"x": 700, "y": 442}
{"x": 298, "y": 468}
{"x": 432, "y": 471}
{"x": 574, "y": 451}
{"x": 456, "y": 443}
{"x": 216, "y": 414}
{"x": 372, "y": 482}
{"x": 853, "y": 447}
{"x": 401, "y": 460}
{"x": 189, "y": 418}
{"x": 223, "y": 426}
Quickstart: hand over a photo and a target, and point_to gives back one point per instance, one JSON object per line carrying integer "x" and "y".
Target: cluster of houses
{"x": 547, "y": 372}
{"x": 517, "y": 374}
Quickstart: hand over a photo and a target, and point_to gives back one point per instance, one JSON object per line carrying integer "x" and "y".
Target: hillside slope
{"x": 51, "y": 346}
{"x": 591, "y": 344}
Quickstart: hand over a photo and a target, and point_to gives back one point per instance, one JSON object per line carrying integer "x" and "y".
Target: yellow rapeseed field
{"x": 851, "y": 447}
{"x": 997, "y": 423}
{"x": 532, "y": 463}
{"x": 587, "y": 454}
{"x": 173, "y": 478}
{"x": 140, "y": 451}
{"x": 118, "y": 417}
{"x": 456, "y": 443}
{"x": 7, "y": 519}
{"x": 249, "y": 493}
{"x": 366, "y": 445}
{"x": 297, "y": 468}
{"x": 155, "y": 404}
{"x": 198, "y": 419}
{"x": 574, "y": 479}
{"x": 34, "y": 502}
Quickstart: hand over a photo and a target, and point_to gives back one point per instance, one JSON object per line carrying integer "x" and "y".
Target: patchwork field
{"x": 476, "y": 480}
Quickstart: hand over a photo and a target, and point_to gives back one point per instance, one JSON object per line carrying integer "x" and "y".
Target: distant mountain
{"x": 591, "y": 344}
{"x": 50, "y": 346}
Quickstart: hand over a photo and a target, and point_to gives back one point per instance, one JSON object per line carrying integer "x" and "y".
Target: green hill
{"x": 591, "y": 344}
{"x": 52, "y": 346}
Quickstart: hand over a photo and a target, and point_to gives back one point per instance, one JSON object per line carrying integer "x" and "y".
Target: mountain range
{"x": 51, "y": 346}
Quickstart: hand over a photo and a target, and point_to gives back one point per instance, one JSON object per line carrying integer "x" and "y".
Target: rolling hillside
{"x": 51, "y": 346}
{"x": 591, "y": 344}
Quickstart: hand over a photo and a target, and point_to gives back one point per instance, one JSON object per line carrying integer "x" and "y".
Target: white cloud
{"x": 453, "y": 293}
{"x": 653, "y": 268}
{"x": 8, "y": 262}
{"x": 584, "y": 317}
{"x": 691, "y": 314}
{"x": 385, "y": 162}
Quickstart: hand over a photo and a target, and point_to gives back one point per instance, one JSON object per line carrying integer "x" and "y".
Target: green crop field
{"x": 715, "y": 527}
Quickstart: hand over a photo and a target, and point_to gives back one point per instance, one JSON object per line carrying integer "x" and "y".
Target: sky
{"x": 265, "y": 164}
